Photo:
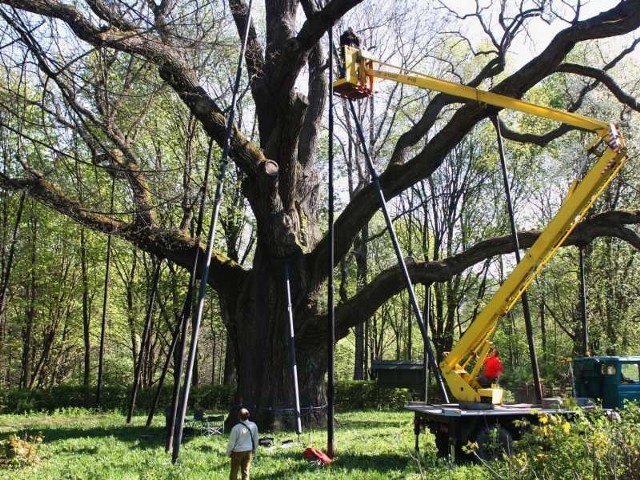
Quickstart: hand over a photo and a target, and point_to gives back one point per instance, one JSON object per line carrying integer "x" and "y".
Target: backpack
{"x": 317, "y": 456}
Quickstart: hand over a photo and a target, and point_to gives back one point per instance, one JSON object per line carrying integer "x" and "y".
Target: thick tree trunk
{"x": 265, "y": 381}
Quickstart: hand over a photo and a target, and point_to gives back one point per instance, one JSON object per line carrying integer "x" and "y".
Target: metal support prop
{"x": 514, "y": 232}
{"x": 197, "y": 320}
{"x": 331, "y": 327}
{"x": 185, "y": 315}
{"x": 427, "y": 321}
{"x": 292, "y": 347}
{"x": 583, "y": 303}
{"x": 175, "y": 333}
{"x": 401, "y": 263}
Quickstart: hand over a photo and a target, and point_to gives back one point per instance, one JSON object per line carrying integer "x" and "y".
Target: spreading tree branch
{"x": 622, "y": 19}
{"x": 390, "y": 282}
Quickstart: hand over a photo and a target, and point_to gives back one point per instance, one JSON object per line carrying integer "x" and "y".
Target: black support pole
{"x": 583, "y": 303}
{"x": 165, "y": 369}
{"x": 331, "y": 324}
{"x": 202, "y": 291}
{"x": 401, "y": 263}
{"x": 514, "y": 232}
{"x": 292, "y": 347}
{"x": 185, "y": 315}
{"x": 427, "y": 320}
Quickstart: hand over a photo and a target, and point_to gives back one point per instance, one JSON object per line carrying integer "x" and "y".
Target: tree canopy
{"x": 100, "y": 95}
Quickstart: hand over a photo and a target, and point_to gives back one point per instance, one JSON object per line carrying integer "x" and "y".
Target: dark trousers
{"x": 240, "y": 461}
{"x": 486, "y": 382}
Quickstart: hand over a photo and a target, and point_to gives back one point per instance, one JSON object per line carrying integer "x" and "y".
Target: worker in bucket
{"x": 492, "y": 368}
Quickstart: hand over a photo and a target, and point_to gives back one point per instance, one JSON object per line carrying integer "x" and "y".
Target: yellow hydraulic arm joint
{"x": 610, "y": 153}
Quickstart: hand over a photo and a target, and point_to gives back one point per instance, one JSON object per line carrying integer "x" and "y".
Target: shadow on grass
{"x": 140, "y": 437}
{"x": 343, "y": 463}
{"x": 367, "y": 424}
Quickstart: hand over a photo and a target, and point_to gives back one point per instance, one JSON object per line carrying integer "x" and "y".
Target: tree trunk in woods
{"x": 229, "y": 373}
{"x": 27, "y": 338}
{"x": 543, "y": 332}
{"x": 86, "y": 313}
{"x": 30, "y": 314}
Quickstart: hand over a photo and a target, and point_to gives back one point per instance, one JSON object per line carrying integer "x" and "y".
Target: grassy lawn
{"x": 87, "y": 445}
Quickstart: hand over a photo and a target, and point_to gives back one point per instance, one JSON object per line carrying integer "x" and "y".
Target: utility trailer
{"x": 610, "y": 380}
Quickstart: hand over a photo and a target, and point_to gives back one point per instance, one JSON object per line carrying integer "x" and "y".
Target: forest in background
{"x": 107, "y": 133}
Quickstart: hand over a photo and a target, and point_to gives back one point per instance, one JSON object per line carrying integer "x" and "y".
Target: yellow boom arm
{"x": 461, "y": 366}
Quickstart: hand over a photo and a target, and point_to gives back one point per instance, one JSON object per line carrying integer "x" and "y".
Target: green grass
{"x": 86, "y": 445}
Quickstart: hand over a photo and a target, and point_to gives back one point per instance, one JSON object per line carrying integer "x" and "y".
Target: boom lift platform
{"x": 461, "y": 367}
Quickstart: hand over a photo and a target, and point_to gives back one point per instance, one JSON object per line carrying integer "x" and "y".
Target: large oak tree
{"x": 280, "y": 170}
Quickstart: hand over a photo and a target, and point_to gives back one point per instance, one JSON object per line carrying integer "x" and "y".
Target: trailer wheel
{"x": 442, "y": 443}
{"x": 493, "y": 442}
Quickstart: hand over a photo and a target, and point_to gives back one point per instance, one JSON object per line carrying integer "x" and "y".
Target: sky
{"x": 526, "y": 47}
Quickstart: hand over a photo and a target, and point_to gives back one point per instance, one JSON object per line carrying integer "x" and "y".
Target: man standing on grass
{"x": 243, "y": 443}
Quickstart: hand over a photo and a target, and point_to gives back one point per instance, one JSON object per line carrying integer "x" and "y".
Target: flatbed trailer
{"x": 454, "y": 426}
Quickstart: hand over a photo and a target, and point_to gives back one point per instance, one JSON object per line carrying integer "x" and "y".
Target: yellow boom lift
{"x": 461, "y": 367}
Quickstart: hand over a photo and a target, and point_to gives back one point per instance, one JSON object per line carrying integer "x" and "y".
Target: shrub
{"x": 363, "y": 395}
{"x": 349, "y": 395}
{"x": 16, "y": 452}
{"x": 596, "y": 444}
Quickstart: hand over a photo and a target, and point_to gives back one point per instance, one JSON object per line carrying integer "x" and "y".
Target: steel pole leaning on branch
{"x": 224, "y": 160}
{"x": 396, "y": 246}
{"x": 514, "y": 232}
{"x": 331, "y": 327}
{"x": 185, "y": 315}
{"x": 292, "y": 346}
